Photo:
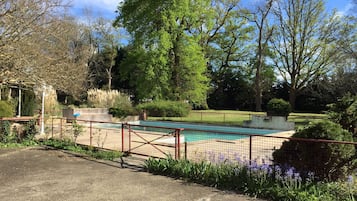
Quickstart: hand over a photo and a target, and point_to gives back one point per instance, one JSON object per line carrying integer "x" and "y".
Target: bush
{"x": 278, "y": 107}
{"x": 6, "y": 109}
{"x": 327, "y": 161}
{"x": 119, "y": 104}
{"x": 166, "y": 108}
{"x": 5, "y": 132}
{"x": 28, "y": 103}
{"x": 123, "y": 111}
{"x": 107, "y": 99}
{"x": 344, "y": 112}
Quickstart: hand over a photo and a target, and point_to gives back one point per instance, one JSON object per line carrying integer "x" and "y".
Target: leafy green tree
{"x": 231, "y": 90}
{"x": 167, "y": 58}
{"x": 303, "y": 42}
{"x": 318, "y": 94}
{"x": 347, "y": 38}
{"x": 226, "y": 39}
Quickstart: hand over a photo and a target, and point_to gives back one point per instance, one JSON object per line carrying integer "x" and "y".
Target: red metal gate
{"x": 151, "y": 141}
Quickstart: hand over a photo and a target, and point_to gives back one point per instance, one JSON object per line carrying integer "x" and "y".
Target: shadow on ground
{"x": 41, "y": 173}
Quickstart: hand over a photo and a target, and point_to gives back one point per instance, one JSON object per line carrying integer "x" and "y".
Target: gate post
{"x": 129, "y": 128}
{"x": 90, "y": 134}
{"x": 177, "y": 143}
{"x": 250, "y": 149}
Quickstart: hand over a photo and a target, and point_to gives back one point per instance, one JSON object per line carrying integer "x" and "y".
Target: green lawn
{"x": 233, "y": 117}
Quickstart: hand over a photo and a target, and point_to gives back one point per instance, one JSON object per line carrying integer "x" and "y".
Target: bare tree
{"x": 41, "y": 44}
{"x": 303, "y": 42}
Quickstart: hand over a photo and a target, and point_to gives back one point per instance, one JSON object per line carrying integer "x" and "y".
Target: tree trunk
{"x": 292, "y": 98}
{"x": 258, "y": 90}
{"x": 109, "y": 80}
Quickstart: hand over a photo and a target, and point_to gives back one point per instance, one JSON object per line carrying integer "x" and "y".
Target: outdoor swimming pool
{"x": 191, "y": 133}
{"x": 212, "y": 132}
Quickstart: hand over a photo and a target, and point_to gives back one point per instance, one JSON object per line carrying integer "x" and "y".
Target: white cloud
{"x": 345, "y": 10}
{"x": 105, "y": 8}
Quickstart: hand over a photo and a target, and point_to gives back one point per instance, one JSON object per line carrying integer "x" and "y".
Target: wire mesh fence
{"x": 191, "y": 144}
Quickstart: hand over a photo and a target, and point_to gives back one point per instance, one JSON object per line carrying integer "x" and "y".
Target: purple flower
{"x": 350, "y": 179}
{"x": 221, "y": 158}
{"x": 265, "y": 167}
{"x": 254, "y": 166}
{"x": 237, "y": 158}
{"x": 290, "y": 172}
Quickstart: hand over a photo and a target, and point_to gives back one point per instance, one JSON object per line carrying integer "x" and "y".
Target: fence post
{"x": 201, "y": 116}
{"x": 250, "y": 149}
{"x": 52, "y": 127}
{"x": 178, "y": 143}
{"x": 129, "y": 128}
{"x": 185, "y": 150}
{"x": 175, "y": 136}
{"x": 90, "y": 134}
{"x": 122, "y": 137}
{"x": 61, "y": 128}
{"x": 224, "y": 117}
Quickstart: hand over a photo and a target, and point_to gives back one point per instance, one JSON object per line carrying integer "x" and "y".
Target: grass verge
{"x": 81, "y": 149}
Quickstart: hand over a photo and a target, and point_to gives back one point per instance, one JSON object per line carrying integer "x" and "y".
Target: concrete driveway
{"x": 44, "y": 174}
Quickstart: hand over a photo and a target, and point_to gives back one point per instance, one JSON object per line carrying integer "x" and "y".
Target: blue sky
{"x": 106, "y": 8}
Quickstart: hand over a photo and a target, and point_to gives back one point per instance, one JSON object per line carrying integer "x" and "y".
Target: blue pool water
{"x": 205, "y": 132}
{"x": 213, "y": 132}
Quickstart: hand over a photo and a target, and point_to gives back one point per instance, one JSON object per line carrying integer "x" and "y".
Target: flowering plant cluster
{"x": 257, "y": 178}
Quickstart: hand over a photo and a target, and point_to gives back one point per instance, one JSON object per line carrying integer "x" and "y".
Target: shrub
{"x": 28, "y": 103}
{"x": 278, "y": 107}
{"x": 5, "y": 132}
{"x": 344, "y": 112}
{"x": 166, "y": 108}
{"x": 119, "y": 104}
{"x": 107, "y": 99}
{"x": 6, "y": 109}
{"x": 121, "y": 112}
{"x": 328, "y": 161}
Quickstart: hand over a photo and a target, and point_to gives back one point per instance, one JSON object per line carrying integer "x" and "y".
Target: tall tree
{"x": 347, "y": 38}
{"x": 174, "y": 65}
{"x": 227, "y": 45}
{"x": 303, "y": 42}
{"x": 259, "y": 16}
{"x": 107, "y": 41}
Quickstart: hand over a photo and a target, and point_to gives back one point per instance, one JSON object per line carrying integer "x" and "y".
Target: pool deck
{"x": 159, "y": 145}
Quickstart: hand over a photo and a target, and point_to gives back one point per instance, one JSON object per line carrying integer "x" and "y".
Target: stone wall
{"x": 88, "y": 114}
{"x": 269, "y": 122}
